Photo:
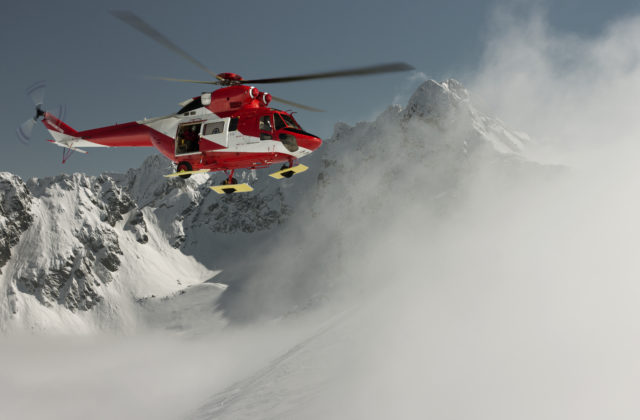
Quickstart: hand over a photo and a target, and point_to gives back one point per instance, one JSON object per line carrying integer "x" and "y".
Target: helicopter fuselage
{"x": 229, "y": 128}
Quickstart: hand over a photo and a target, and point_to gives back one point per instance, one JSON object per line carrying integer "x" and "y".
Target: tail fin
{"x": 58, "y": 128}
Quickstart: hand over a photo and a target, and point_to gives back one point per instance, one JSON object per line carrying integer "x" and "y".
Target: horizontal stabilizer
{"x": 289, "y": 172}
{"x": 231, "y": 188}
{"x": 68, "y": 146}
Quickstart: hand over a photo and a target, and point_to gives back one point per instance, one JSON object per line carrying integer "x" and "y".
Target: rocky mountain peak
{"x": 437, "y": 101}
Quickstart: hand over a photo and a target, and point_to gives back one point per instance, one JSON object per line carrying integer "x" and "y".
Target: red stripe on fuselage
{"x": 53, "y": 123}
{"x": 220, "y": 161}
{"x": 130, "y": 134}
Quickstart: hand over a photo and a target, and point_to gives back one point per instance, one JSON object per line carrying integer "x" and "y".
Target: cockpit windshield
{"x": 285, "y": 121}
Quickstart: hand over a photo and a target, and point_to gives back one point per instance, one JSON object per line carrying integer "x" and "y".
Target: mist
{"x": 575, "y": 95}
{"x": 481, "y": 287}
{"x": 427, "y": 276}
{"x": 153, "y": 374}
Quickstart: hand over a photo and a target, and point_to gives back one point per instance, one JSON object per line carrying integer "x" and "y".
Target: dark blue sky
{"x": 96, "y": 65}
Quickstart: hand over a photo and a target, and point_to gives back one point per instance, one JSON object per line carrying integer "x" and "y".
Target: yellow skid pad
{"x": 231, "y": 188}
{"x": 199, "y": 171}
{"x": 289, "y": 172}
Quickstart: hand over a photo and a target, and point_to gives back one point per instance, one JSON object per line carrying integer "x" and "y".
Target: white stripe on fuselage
{"x": 67, "y": 140}
{"x": 265, "y": 146}
{"x": 238, "y": 142}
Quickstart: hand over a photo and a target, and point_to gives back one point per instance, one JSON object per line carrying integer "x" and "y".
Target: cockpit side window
{"x": 290, "y": 122}
{"x": 265, "y": 123}
{"x": 279, "y": 123}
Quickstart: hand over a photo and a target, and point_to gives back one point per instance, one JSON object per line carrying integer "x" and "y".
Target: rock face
{"x": 74, "y": 244}
{"x": 15, "y": 217}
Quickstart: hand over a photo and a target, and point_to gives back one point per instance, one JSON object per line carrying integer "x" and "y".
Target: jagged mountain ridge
{"x": 80, "y": 250}
{"x": 67, "y": 240}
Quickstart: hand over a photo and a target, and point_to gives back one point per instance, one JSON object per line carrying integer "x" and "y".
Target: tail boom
{"x": 57, "y": 126}
{"x": 129, "y": 134}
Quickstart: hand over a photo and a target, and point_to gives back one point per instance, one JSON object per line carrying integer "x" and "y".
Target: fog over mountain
{"x": 435, "y": 262}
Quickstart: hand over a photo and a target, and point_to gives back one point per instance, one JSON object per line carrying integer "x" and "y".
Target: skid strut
{"x": 230, "y": 179}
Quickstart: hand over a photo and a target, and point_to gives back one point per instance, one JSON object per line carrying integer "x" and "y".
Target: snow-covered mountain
{"x": 416, "y": 161}
{"x": 430, "y": 145}
{"x": 80, "y": 253}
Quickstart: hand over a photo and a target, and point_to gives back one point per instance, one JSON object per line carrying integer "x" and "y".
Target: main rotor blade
{"x": 171, "y": 79}
{"x": 135, "y": 22}
{"x": 360, "y": 71}
{"x": 36, "y": 93}
{"x": 297, "y": 105}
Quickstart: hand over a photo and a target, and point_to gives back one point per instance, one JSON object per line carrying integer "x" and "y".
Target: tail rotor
{"x": 36, "y": 93}
{"x": 25, "y": 129}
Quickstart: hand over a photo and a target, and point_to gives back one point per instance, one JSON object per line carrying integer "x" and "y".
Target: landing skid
{"x": 199, "y": 171}
{"x": 289, "y": 172}
{"x": 231, "y": 188}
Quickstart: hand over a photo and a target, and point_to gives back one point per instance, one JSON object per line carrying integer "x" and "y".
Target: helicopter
{"x": 226, "y": 129}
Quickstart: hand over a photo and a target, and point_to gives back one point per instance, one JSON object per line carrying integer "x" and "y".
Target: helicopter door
{"x": 266, "y": 128}
{"x": 217, "y": 132}
{"x": 188, "y": 139}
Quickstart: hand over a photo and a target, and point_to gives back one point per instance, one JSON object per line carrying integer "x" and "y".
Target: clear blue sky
{"x": 96, "y": 65}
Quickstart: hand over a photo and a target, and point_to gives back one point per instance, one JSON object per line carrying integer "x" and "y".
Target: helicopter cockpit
{"x": 277, "y": 122}
{"x": 279, "y": 125}
{"x": 283, "y": 120}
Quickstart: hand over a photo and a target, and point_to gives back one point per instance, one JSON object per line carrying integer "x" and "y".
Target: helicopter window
{"x": 213, "y": 128}
{"x": 233, "y": 124}
{"x": 265, "y": 128}
{"x": 279, "y": 123}
{"x": 290, "y": 122}
{"x": 265, "y": 123}
{"x": 195, "y": 104}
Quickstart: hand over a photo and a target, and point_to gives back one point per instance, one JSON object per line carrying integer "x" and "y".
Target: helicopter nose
{"x": 310, "y": 142}
{"x": 317, "y": 142}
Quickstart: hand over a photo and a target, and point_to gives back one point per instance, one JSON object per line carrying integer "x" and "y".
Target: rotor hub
{"x": 39, "y": 112}
{"x": 228, "y": 79}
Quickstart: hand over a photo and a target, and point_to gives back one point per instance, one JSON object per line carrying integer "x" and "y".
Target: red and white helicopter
{"x": 228, "y": 129}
